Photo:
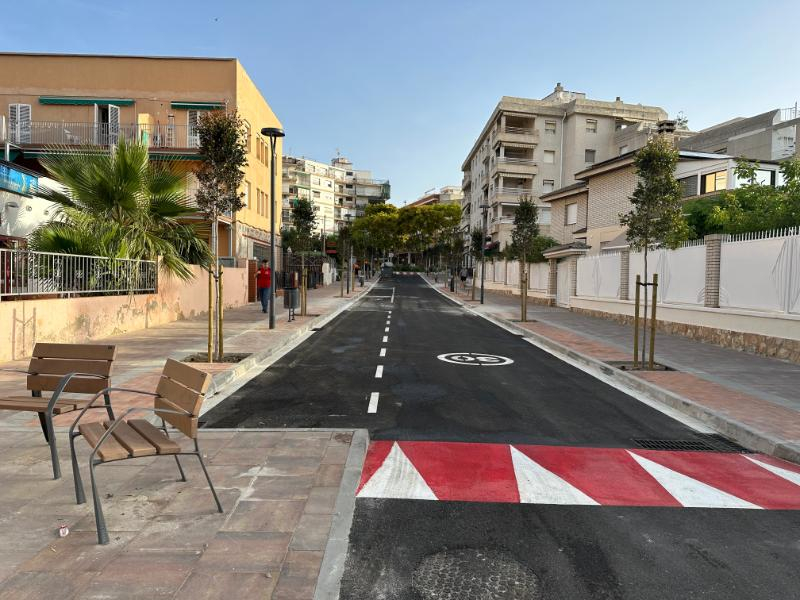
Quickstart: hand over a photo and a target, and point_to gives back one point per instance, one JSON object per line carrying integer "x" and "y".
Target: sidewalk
{"x": 750, "y": 398}
{"x": 280, "y": 489}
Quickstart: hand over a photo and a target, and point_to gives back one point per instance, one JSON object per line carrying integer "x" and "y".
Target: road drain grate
{"x": 473, "y": 573}
{"x": 705, "y": 443}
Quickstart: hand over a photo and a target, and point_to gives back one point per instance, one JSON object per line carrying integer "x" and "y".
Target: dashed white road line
{"x": 383, "y": 352}
{"x": 392, "y": 300}
{"x": 385, "y": 339}
{"x": 373, "y": 402}
{"x": 386, "y": 330}
{"x": 379, "y": 372}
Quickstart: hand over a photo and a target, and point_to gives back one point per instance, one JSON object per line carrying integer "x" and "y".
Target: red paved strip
{"x": 464, "y": 471}
{"x": 608, "y": 475}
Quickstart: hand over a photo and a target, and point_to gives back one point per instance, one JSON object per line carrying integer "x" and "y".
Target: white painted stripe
{"x": 386, "y": 330}
{"x": 383, "y": 352}
{"x": 373, "y": 402}
{"x": 687, "y": 490}
{"x": 397, "y": 478}
{"x": 379, "y": 372}
{"x": 385, "y": 339}
{"x": 785, "y": 473}
{"x": 537, "y": 485}
{"x": 392, "y": 300}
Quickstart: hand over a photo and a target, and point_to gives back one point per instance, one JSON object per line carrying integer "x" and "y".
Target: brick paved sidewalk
{"x": 751, "y": 398}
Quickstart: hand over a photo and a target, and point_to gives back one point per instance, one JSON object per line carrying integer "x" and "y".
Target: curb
{"x": 742, "y": 433}
{"x": 333, "y": 561}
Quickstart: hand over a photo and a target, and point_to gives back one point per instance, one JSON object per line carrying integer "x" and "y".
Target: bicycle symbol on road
{"x": 477, "y": 359}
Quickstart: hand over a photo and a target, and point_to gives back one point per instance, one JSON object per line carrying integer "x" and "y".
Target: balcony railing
{"x": 519, "y": 130}
{"x": 514, "y": 192}
{"x": 28, "y": 273}
{"x": 787, "y": 114}
{"x": 60, "y": 133}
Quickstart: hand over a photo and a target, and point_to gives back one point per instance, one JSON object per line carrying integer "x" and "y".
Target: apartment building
{"x": 769, "y": 136}
{"x": 450, "y": 194}
{"x": 529, "y": 148}
{"x": 355, "y": 189}
{"x": 313, "y": 181}
{"x": 76, "y": 100}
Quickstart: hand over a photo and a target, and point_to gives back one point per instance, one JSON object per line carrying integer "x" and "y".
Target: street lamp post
{"x": 273, "y": 133}
{"x": 485, "y": 209}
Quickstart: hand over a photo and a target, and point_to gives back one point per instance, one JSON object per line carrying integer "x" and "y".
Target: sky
{"x": 404, "y": 87}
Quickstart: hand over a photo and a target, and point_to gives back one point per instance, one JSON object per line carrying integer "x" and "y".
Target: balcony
{"x": 466, "y": 182}
{"x": 39, "y": 134}
{"x": 508, "y": 165}
{"x": 512, "y": 195}
{"x": 516, "y": 135}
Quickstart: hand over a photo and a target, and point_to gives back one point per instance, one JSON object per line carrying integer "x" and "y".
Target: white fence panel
{"x": 513, "y": 273}
{"x": 682, "y": 275}
{"x": 598, "y": 276}
{"x": 540, "y": 273}
{"x": 499, "y": 272}
{"x": 655, "y": 264}
{"x": 760, "y": 274}
{"x": 489, "y": 271}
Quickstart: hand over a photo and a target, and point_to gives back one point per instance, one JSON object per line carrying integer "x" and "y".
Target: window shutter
{"x": 20, "y": 123}
{"x": 193, "y": 139}
{"x": 113, "y": 125}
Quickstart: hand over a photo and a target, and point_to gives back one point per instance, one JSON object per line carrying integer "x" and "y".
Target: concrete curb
{"x": 742, "y": 433}
{"x": 333, "y": 561}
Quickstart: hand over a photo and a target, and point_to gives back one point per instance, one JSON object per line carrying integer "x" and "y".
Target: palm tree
{"x": 119, "y": 204}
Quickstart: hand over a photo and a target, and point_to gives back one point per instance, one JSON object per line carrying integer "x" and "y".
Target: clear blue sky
{"x": 403, "y": 87}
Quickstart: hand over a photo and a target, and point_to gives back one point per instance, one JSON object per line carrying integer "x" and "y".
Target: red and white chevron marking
{"x": 568, "y": 475}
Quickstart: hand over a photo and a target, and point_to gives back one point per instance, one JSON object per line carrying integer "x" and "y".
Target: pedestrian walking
{"x": 264, "y": 284}
{"x": 464, "y": 274}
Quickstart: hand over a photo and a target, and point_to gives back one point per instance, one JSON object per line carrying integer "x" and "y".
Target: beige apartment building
{"x": 450, "y": 194}
{"x": 313, "y": 181}
{"x": 75, "y": 100}
{"x": 529, "y": 148}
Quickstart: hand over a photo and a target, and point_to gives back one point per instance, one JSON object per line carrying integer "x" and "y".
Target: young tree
{"x": 220, "y": 175}
{"x": 526, "y": 230}
{"x": 655, "y": 219}
{"x": 304, "y": 219}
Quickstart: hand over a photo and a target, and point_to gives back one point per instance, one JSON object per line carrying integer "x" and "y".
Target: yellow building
{"x": 67, "y": 99}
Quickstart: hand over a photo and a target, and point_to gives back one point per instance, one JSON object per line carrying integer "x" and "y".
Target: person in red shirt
{"x": 264, "y": 284}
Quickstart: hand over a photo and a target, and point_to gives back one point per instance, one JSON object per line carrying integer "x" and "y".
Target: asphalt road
{"x": 413, "y": 549}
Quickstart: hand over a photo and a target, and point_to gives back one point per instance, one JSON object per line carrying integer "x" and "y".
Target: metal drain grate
{"x": 473, "y": 573}
{"x": 685, "y": 445}
{"x": 705, "y": 442}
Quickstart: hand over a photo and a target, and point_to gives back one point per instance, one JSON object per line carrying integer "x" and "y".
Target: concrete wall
{"x": 78, "y": 320}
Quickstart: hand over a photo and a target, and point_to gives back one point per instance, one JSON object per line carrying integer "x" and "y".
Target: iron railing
{"x": 61, "y": 133}
{"x": 29, "y": 273}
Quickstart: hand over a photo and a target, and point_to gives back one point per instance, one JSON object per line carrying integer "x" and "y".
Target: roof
{"x": 116, "y": 56}
{"x": 566, "y": 249}
{"x": 568, "y": 190}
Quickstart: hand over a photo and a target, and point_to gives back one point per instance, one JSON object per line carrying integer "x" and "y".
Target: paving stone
{"x": 335, "y": 455}
{"x": 255, "y": 439}
{"x": 283, "y": 465}
{"x": 124, "y": 579}
{"x": 312, "y": 532}
{"x": 174, "y": 532}
{"x": 280, "y": 516}
{"x": 245, "y": 552}
{"x": 36, "y": 585}
{"x": 227, "y": 586}
{"x": 329, "y": 475}
{"x": 78, "y": 552}
{"x": 321, "y": 500}
{"x": 283, "y": 488}
{"x": 239, "y": 456}
{"x": 298, "y": 577}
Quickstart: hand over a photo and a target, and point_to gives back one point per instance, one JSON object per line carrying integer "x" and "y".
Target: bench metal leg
{"x": 166, "y": 433}
{"x": 208, "y": 477}
{"x": 43, "y": 423}
{"x": 99, "y": 518}
{"x": 50, "y": 436}
{"x": 80, "y": 497}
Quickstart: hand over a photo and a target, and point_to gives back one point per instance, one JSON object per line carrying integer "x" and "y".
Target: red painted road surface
{"x": 567, "y": 475}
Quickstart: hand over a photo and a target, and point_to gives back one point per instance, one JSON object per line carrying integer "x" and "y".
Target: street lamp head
{"x": 273, "y": 132}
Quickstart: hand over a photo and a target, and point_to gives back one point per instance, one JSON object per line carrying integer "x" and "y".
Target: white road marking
{"x": 397, "y": 478}
{"x": 385, "y": 339}
{"x": 373, "y": 402}
{"x": 383, "y": 352}
{"x": 392, "y": 300}
{"x": 687, "y": 490}
{"x": 386, "y": 330}
{"x": 785, "y": 473}
{"x": 537, "y": 485}
{"x": 379, "y": 372}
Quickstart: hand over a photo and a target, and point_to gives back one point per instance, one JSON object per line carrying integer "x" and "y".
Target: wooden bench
{"x": 80, "y": 369}
{"x": 177, "y": 400}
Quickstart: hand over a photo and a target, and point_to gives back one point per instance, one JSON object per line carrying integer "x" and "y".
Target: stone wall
{"x": 79, "y": 320}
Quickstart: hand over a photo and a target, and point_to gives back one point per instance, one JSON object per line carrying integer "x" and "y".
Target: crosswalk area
{"x": 473, "y": 472}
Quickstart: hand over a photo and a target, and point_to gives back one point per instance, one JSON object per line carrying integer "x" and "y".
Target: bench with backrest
{"x": 177, "y": 400}
{"x": 70, "y": 373}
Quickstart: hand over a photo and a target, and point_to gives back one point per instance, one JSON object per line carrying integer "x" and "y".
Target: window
{"x": 246, "y": 198}
{"x": 548, "y": 185}
{"x": 688, "y": 186}
{"x": 549, "y": 157}
{"x": 246, "y": 136}
{"x": 544, "y": 215}
{"x": 19, "y": 116}
{"x": 571, "y": 214}
{"x": 591, "y": 125}
{"x": 550, "y": 127}
{"x": 316, "y": 194}
{"x": 588, "y": 155}
{"x": 623, "y": 149}
{"x": 713, "y": 182}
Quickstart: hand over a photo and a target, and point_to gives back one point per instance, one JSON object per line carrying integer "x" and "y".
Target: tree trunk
{"x": 215, "y": 275}
{"x": 644, "y": 328}
{"x": 523, "y": 292}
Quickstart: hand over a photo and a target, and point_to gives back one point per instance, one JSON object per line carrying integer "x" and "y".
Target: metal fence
{"x": 28, "y": 273}
{"x": 61, "y": 133}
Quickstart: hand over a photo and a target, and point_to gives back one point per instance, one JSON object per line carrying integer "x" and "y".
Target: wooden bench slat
{"x": 77, "y": 385}
{"x": 111, "y": 448}
{"x": 189, "y": 377}
{"x": 78, "y": 351}
{"x": 36, "y": 405}
{"x": 62, "y": 366}
{"x": 155, "y": 436}
{"x": 130, "y": 439}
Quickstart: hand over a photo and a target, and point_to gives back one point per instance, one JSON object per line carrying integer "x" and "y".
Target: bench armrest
{"x": 97, "y": 395}
{"x": 65, "y": 381}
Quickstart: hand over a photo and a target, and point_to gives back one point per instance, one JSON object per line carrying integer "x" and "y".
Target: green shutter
{"x": 198, "y": 105}
{"x": 66, "y": 100}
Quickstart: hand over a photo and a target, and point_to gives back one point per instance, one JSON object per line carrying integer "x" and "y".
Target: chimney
{"x": 559, "y": 88}
{"x": 666, "y": 126}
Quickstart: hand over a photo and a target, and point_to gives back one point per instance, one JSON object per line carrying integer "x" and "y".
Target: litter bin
{"x": 291, "y": 300}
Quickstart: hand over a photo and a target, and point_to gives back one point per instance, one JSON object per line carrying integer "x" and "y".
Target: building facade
{"x": 451, "y": 194}
{"x": 313, "y": 181}
{"x": 77, "y": 100}
{"x": 769, "y": 136}
{"x": 529, "y": 148}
